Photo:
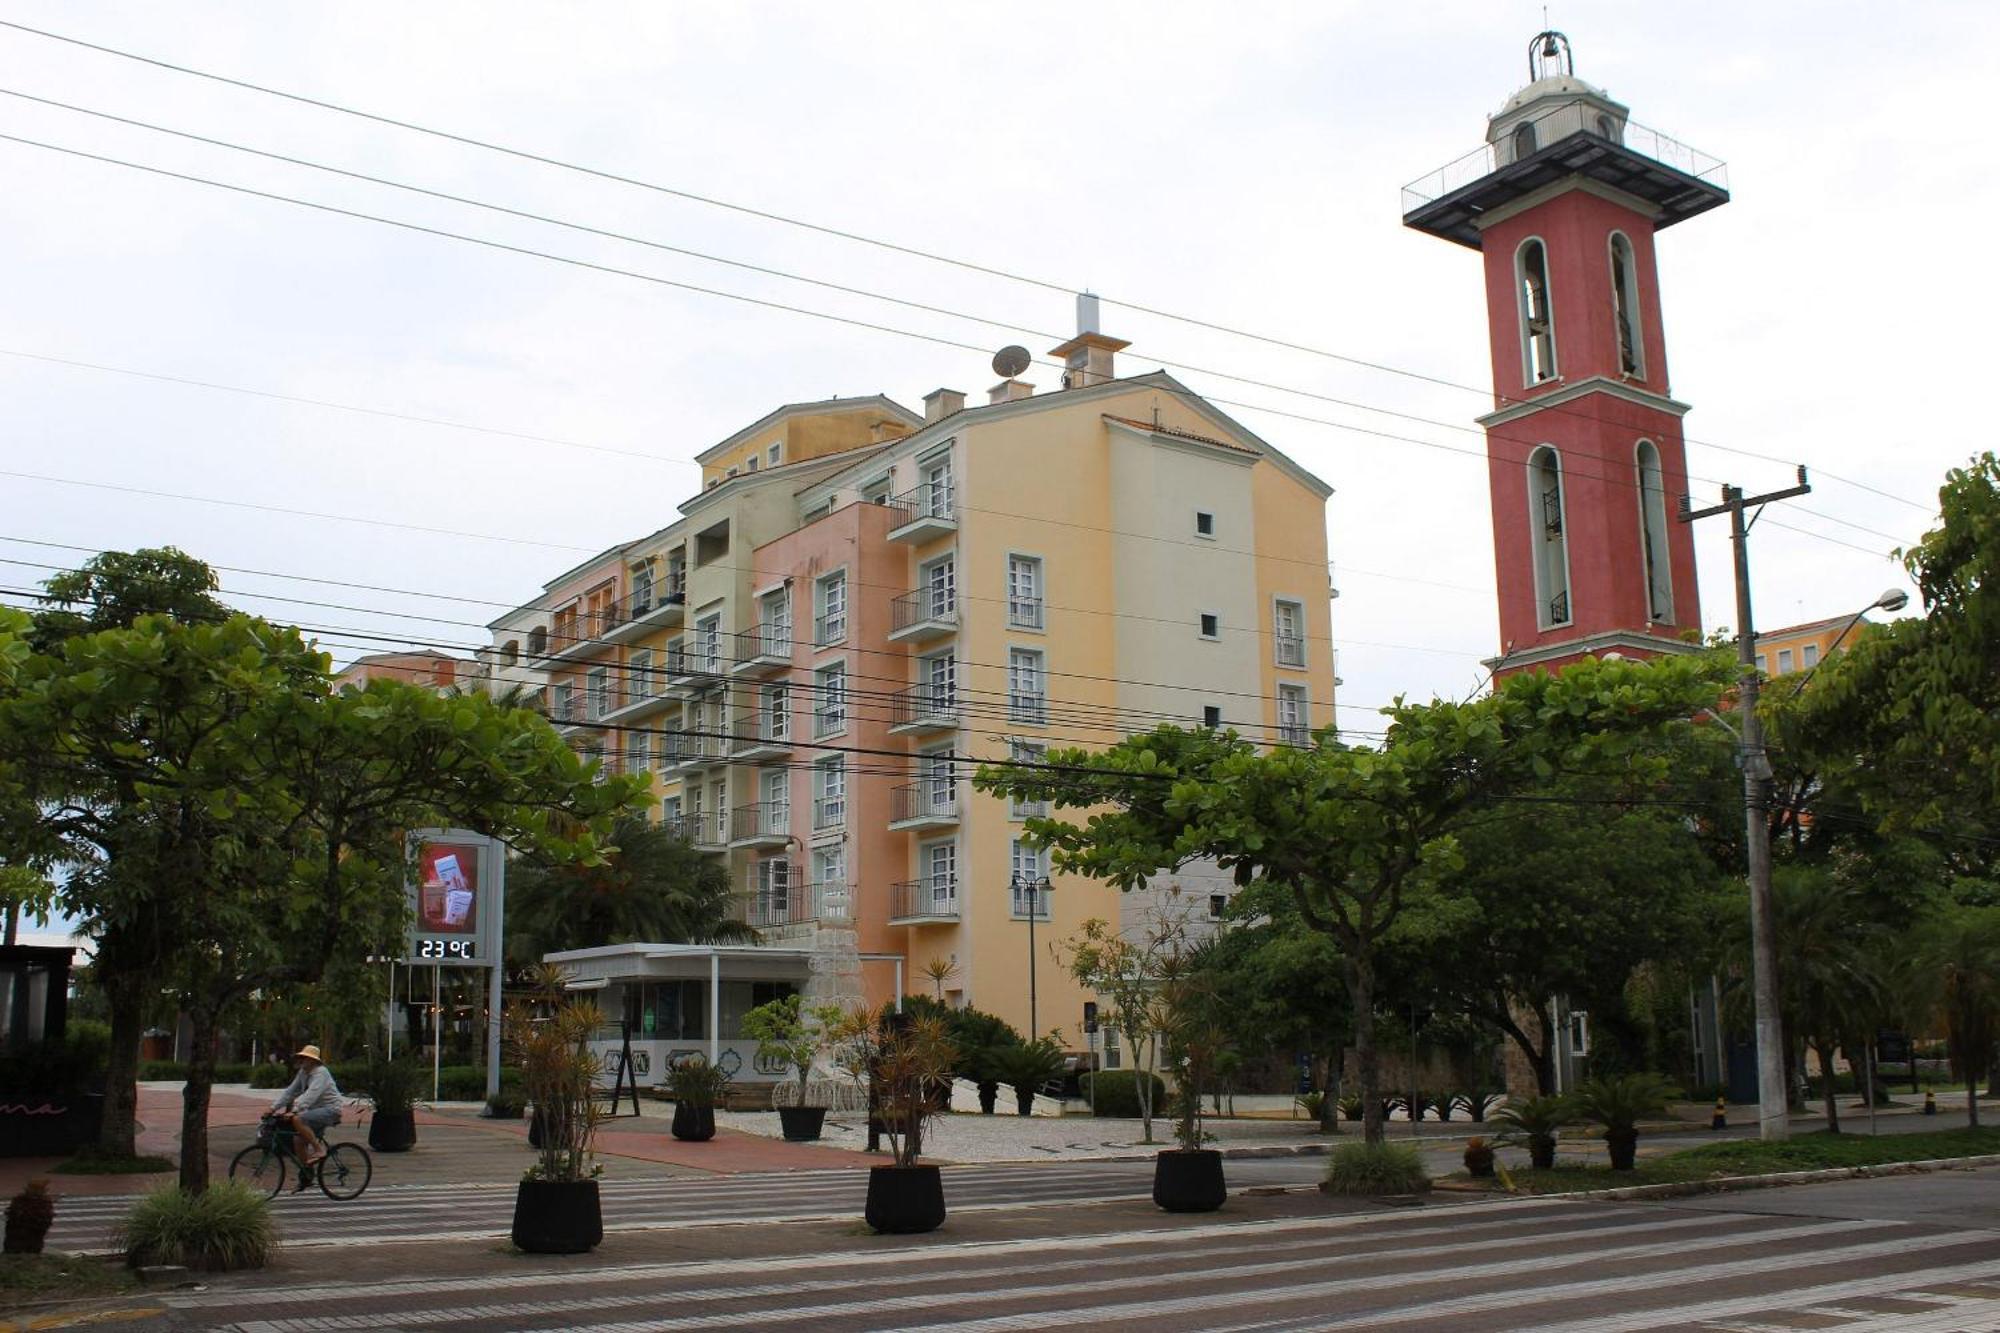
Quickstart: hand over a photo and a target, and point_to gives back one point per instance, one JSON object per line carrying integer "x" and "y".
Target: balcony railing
{"x": 1024, "y": 612}
{"x": 703, "y": 828}
{"x": 797, "y": 904}
{"x": 933, "y": 610}
{"x": 1562, "y": 121}
{"x": 768, "y": 644}
{"x": 1291, "y": 649}
{"x": 927, "y": 511}
{"x": 829, "y": 812}
{"x": 766, "y": 821}
{"x": 1032, "y": 708}
{"x": 829, "y": 717}
{"x": 761, "y": 730}
{"x": 924, "y": 706}
{"x": 829, "y": 629}
{"x": 1294, "y": 734}
{"x": 934, "y": 898}
{"x": 660, "y": 595}
{"x": 934, "y": 800}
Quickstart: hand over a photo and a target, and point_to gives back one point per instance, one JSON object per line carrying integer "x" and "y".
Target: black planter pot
{"x": 1189, "y": 1180}
{"x": 557, "y": 1216}
{"x": 1622, "y": 1145}
{"x": 904, "y": 1200}
{"x": 392, "y": 1131}
{"x": 1024, "y": 1102}
{"x": 1542, "y": 1152}
{"x": 695, "y": 1124}
{"x": 989, "y": 1097}
{"x": 802, "y": 1124}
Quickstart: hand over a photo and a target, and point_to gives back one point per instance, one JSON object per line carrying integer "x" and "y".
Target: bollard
{"x": 1930, "y": 1102}
{"x": 1720, "y": 1120}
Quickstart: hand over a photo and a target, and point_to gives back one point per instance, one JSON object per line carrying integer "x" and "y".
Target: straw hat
{"x": 308, "y": 1053}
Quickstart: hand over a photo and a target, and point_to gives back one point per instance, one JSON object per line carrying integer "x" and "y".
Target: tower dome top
{"x": 1551, "y": 73}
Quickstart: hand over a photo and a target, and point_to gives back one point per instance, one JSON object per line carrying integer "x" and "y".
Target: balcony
{"x": 923, "y": 902}
{"x": 688, "y": 751}
{"x": 923, "y": 708}
{"x": 1030, "y": 707}
{"x": 829, "y": 813}
{"x": 920, "y": 806}
{"x": 829, "y": 629}
{"x": 923, "y": 514}
{"x": 695, "y": 668}
{"x": 760, "y": 735}
{"x": 1024, "y": 612}
{"x": 1294, "y": 734}
{"x": 765, "y": 650}
{"x": 927, "y": 613}
{"x": 644, "y": 694}
{"x": 571, "y": 637}
{"x": 658, "y": 607}
{"x": 1579, "y": 140}
{"x": 768, "y": 824}
{"x": 704, "y": 828}
{"x": 1291, "y": 649}
{"x": 778, "y": 906}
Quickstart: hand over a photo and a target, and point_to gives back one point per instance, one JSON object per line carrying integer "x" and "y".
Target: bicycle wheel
{"x": 345, "y": 1170}
{"x": 262, "y": 1169}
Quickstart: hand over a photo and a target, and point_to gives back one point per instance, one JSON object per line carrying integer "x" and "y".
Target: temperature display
{"x": 462, "y": 949}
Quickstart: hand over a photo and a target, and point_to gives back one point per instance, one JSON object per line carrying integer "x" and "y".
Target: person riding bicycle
{"x": 310, "y": 1103}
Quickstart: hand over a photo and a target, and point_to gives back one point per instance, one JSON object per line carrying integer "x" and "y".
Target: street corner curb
{"x": 1732, "y": 1184}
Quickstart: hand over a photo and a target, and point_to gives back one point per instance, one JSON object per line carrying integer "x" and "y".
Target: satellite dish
{"x": 1011, "y": 360}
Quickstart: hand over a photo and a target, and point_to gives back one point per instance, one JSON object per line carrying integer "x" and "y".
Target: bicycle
{"x": 342, "y": 1174}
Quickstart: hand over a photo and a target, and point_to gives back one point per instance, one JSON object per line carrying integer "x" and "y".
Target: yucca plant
{"x": 1375, "y": 1169}
{"x": 1349, "y": 1106}
{"x": 1619, "y": 1104}
{"x": 696, "y": 1082}
{"x": 1027, "y": 1068}
{"x": 1535, "y": 1122}
{"x": 226, "y": 1226}
{"x": 904, "y": 1058}
{"x": 549, "y": 1036}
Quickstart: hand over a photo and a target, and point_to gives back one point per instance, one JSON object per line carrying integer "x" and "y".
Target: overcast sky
{"x": 1237, "y": 163}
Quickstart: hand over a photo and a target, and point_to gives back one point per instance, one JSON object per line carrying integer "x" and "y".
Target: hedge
{"x": 1118, "y": 1093}
{"x": 175, "y": 1071}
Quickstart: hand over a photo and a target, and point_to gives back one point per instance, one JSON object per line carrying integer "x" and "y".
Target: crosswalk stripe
{"x": 732, "y": 1272}
{"x": 1888, "y": 1284}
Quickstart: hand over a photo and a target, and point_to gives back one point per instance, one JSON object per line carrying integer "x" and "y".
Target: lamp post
{"x": 1892, "y": 601}
{"x": 1034, "y": 887}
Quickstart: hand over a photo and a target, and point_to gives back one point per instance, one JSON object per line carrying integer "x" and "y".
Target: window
{"x": 875, "y": 492}
{"x": 1024, "y": 591}
{"x": 940, "y": 583}
{"x": 708, "y": 643}
{"x": 831, "y": 626}
{"x": 598, "y": 692}
{"x": 1524, "y": 140}
{"x": 1294, "y": 727}
{"x": 730, "y": 473}
{"x": 937, "y": 489}
{"x": 1763, "y": 665}
{"x": 1653, "y": 535}
{"x": 639, "y": 676}
{"x": 830, "y": 793}
{"x": 1550, "y": 544}
{"x": 774, "y": 717}
{"x": 941, "y": 683}
{"x": 1809, "y": 656}
{"x": 774, "y": 888}
{"x": 538, "y": 641}
{"x": 750, "y": 464}
{"x": 1625, "y": 304}
{"x": 1784, "y": 661}
{"x": 1204, "y": 523}
{"x": 1538, "y": 330}
{"x": 830, "y": 684}
{"x": 1288, "y": 632}
{"x": 565, "y": 710}
{"x": 1579, "y": 1032}
{"x": 775, "y": 454}
{"x": 1030, "y": 867}
{"x": 1027, "y": 752}
{"x": 1218, "y": 903}
{"x": 1111, "y": 1054}
{"x": 510, "y": 652}
{"x": 670, "y": 810}
{"x": 941, "y": 876}
{"x": 774, "y": 613}
{"x": 938, "y": 793}
{"x": 829, "y": 881}
{"x": 637, "y": 754}
{"x": 1211, "y": 717}
{"x": 1027, "y": 698}
{"x": 1211, "y": 625}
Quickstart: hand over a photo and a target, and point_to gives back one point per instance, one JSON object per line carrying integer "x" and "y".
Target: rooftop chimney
{"x": 941, "y": 403}
{"x": 1006, "y": 391}
{"x": 1087, "y": 358}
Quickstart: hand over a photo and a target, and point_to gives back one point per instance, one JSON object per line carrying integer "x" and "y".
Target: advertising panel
{"x": 454, "y": 898}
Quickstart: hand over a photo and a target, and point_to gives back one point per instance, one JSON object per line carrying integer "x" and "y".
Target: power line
{"x": 852, "y": 236}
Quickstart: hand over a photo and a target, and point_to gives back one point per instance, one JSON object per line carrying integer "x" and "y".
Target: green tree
{"x": 113, "y": 589}
{"x": 1354, "y": 834}
{"x": 1952, "y": 979}
{"x": 650, "y": 886}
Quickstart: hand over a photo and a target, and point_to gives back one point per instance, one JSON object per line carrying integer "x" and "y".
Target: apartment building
{"x": 862, "y": 604}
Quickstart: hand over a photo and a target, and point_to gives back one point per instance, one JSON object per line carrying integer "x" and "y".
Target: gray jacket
{"x": 310, "y": 1092}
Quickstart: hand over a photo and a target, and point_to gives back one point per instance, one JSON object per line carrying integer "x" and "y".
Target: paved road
{"x": 1552, "y": 1266}
{"x": 480, "y": 1212}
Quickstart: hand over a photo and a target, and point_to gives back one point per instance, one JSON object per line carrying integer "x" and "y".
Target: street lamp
{"x": 1892, "y": 601}
{"x": 1034, "y": 887}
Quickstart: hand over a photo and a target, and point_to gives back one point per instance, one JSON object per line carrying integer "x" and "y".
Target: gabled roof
{"x": 878, "y": 402}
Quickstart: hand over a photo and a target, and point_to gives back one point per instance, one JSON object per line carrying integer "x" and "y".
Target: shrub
{"x": 696, "y": 1082}
{"x": 29, "y": 1215}
{"x": 162, "y": 1071}
{"x": 1535, "y": 1121}
{"x": 1027, "y": 1068}
{"x": 395, "y": 1085}
{"x": 1376, "y": 1168}
{"x": 234, "y": 1073}
{"x": 270, "y": 1076}
{"x": 1311, "y": 1104}
{"x": 1478, "y": 1158}
{"x": 226, "y": 1226}
{"x": 1350, "y": 1106}
{"x": 506, "y": 1104}
{"x": 1116, "y": 1093}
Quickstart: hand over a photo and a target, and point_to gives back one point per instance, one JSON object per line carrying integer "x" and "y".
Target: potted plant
{"x": 1188, "y": 1178}
{"x": 695, "y": 1086}
{"x": 393, "y": 1086}
{"x": 1535, "y": 1121}
{"x": 787, "y": 1032}
{"x": 30, "y": 1214}
{"x": 903, "y": 1058}
{"x": 506, "y": 1104}
{"x": 1619, "y": 1104}
{"x": 556, "y": 1208}
{"x": 1027, "y": 1068}
{"x": 1478, "y": 1158}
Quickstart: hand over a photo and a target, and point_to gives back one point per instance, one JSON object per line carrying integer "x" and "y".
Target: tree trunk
{"x": 194, "y": 1099}
{"x": 1142, "y": 1081}
{"x": 1361, "y": 998}
{"x": 1329, "y": 1086}
{"x": 13, "y": 924}
{"x": 1972, "y": 1103}
{"x": 118, "y": 1134}
{"x": 1826, "y": 1082}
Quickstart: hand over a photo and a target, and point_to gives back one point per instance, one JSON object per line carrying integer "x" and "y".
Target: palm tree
{"x": 651, "y": 887}
{"x": 1952, "y": 979}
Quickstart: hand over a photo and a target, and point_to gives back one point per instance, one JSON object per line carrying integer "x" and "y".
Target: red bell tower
{"x": 1584, "y": 444}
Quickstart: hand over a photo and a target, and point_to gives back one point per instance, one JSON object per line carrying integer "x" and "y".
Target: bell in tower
{"x": 1586, "y": 462}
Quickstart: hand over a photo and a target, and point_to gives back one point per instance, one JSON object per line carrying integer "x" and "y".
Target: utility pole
{"x": 1773, "y": 1099}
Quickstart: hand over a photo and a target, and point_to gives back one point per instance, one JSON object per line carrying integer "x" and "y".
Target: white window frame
{"x": 1625, "y": 300}
{"x": 830, "y": 700}
{"x": 1033, "y": 863}
{"x": 639, "y": 675}
{"x": 774, "y": 455}
{"x": 937, "y": 480}
{"x": 1023, "y": 750}
{"x": 1521, "y": 300}
{"x": 1809, "y": 656}
{"x": 1026, "y": 610}
{"x": 1199, "y": 515}
{"x": 1785, "y": 662}
{"x": 927, "y": 878}
{"x": 1202, "y": 628}
{"x": 937, "y": 579}
{"x": 1544, "y": 567}
{"x": 825, "y": 588}
{"x": 1298, "y": 730}
{"x": 830, "y": 794}
{"x": 774, "y": 713}
{"x": 1297, "y": 606}
{"x": 1030, "y": 706}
